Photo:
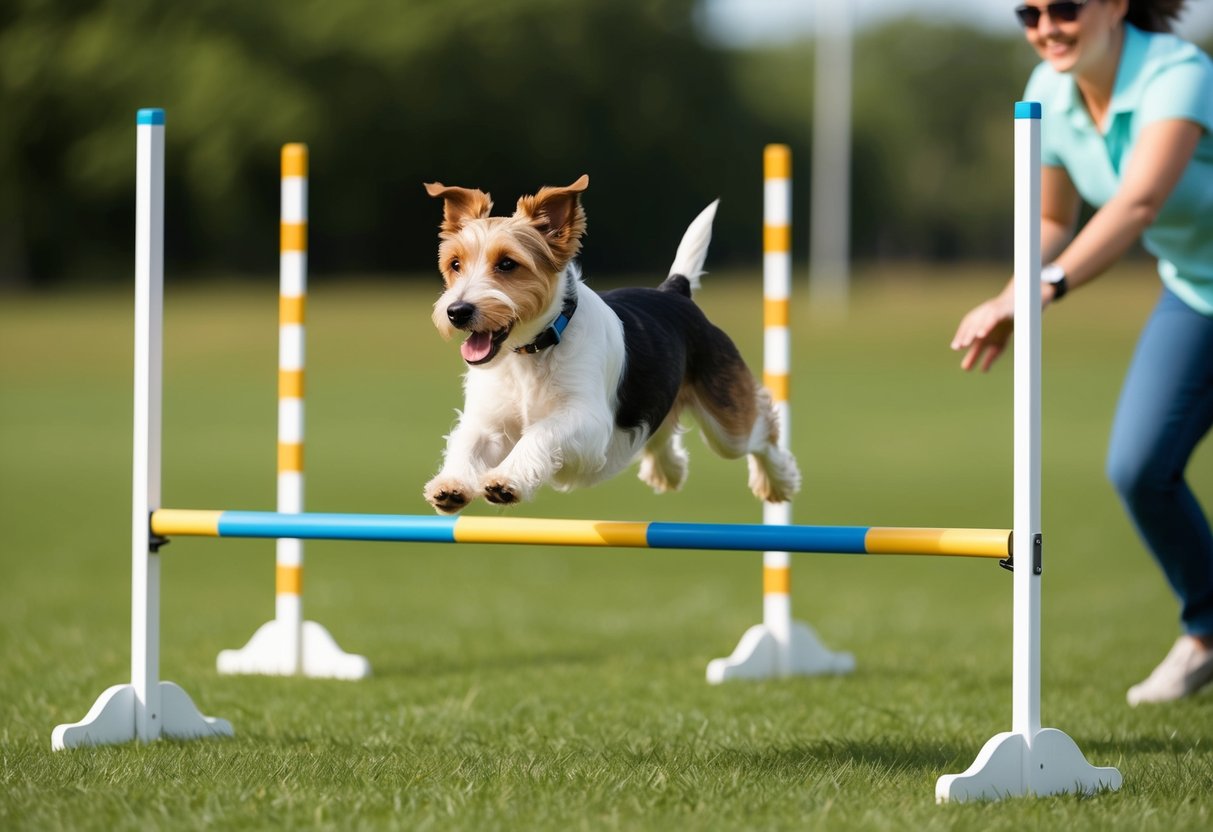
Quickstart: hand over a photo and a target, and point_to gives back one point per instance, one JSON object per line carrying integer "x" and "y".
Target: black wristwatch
{"x": 1055, "y": 276}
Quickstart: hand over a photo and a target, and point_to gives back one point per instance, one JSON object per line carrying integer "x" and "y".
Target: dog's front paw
{"x": 447, "y": 496}
{"x": 503, "y": 491}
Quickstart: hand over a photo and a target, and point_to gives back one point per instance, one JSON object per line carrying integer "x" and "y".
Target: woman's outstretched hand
{"x": 983, "y": 333}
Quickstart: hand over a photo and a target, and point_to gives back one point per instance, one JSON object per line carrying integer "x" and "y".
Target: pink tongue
{"x": 477, "y": 346}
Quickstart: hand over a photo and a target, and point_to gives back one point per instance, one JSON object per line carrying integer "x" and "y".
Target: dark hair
{"x": 1154, "y": 15}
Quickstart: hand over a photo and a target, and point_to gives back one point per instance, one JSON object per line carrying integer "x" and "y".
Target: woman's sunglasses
{"x": 1066, "y": 12}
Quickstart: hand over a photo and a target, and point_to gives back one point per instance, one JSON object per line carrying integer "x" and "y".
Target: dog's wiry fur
{"x": 627, "y": 366}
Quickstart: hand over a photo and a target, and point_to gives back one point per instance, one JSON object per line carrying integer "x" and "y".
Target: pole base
{"x": 268, "y": 653}
{"x": 1008, "y": 766}
{"x": 111, "y": 720}
{"x": 760, "y": 655}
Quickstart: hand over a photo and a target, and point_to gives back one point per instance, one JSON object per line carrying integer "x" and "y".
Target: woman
{"x": 1127, "y": 110}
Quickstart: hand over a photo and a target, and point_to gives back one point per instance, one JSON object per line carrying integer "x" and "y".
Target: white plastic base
{"x": 268, "y": 653}
{"x": 1008, "y": 766}
{"x": 111, "y": 720}
{"x": 761, "y": 655}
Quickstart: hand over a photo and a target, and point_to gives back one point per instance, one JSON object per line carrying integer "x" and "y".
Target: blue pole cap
{"x": 150, "y": 115}
{"x": 1027, "y": 109}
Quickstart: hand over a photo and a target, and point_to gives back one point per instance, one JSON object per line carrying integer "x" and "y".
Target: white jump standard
{"x": 1027, "y": 759}
{"x": 147, "y": 708}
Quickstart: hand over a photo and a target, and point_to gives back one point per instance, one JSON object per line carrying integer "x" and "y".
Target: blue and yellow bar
{"x": 843, "y": 540}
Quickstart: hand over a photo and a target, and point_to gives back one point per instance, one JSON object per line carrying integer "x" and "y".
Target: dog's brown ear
{"x": 558, "y": 215}
{"x": 459, "y": 205}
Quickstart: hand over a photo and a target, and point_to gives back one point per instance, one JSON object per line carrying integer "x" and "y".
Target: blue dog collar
{"x": 551, "y": 336}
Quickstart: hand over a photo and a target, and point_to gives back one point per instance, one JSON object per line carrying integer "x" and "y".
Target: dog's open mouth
{"x": 482, "y": 346}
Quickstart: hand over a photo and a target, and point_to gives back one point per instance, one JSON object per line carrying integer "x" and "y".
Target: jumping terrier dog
{"x": 568, "y": 387}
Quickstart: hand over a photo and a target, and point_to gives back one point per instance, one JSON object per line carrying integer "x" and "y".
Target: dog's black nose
{"x": 460, "y": 312}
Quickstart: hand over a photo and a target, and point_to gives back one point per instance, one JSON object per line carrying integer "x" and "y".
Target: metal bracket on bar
{"x": 155, "y": 541}
{"x": 1008, "y": 563}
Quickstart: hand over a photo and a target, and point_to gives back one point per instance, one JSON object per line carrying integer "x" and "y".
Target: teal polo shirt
{"x": 1160, "y": 77}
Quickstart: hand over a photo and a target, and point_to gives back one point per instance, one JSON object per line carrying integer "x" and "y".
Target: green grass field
{"x": 561, "y": 689}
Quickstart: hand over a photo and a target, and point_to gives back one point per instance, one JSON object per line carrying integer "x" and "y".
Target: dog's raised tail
{"x": 693, "y": 250}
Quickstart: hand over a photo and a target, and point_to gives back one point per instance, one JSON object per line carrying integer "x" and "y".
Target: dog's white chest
{"x": 531, "y": 392}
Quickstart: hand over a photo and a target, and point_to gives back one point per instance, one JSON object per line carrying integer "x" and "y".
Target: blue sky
{"x": 744, "y": 22}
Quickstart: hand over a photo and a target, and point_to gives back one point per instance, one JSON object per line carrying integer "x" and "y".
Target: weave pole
{"x": 288, "y": 645}
{"x": 147, "y": 708}
{"x": 1027, "y": 759}
{"x": 779, "y": 646}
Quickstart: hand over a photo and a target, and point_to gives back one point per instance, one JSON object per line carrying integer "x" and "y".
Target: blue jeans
{"x": 1165, "y": 409}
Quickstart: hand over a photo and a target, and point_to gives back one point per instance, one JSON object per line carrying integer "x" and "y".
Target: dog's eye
{"x": 506, "y": 265}
{"x": 455, "y": 265}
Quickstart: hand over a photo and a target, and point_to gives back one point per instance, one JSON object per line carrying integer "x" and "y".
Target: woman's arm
{"x": 1163, "y": 151}
{"x": 1059, "y": 206}
{"x": 985, "y": 330}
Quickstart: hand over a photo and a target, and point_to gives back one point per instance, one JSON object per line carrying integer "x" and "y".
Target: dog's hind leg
{"x": 774, "y": 475}
{"x": 738, "y": 419}
{"x": 663, "y": 467}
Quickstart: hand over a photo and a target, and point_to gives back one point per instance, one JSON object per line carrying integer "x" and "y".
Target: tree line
{"x": 501, "y": 96}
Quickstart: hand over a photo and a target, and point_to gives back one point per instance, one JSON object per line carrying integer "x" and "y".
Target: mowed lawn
{"x": 562, "y": 689}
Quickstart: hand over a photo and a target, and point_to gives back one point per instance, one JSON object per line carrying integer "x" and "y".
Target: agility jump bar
{"x": 843, "y": 540}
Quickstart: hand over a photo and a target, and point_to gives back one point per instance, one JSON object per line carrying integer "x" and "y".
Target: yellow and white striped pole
{"x": 776, "y": 354}
{"x": 778, "y": 646}
{"x": 289, "y": 645}
{"x": 292, "y": 301}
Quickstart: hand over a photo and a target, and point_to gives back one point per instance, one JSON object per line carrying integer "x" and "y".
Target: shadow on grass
{"x": 875, "y": 756}
{"x": 1108, "y": 748}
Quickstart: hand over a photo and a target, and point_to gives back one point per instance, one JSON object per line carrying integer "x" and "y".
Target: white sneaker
{"x": 1185, "y": 670}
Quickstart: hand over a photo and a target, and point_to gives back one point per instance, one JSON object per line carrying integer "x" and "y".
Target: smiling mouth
{"x": 481, "y": 347}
